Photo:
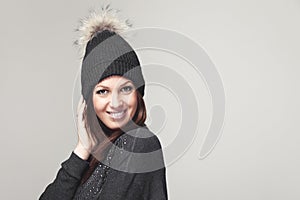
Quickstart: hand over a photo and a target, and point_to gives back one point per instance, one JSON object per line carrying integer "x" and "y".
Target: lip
{"x": 117, "y": 115}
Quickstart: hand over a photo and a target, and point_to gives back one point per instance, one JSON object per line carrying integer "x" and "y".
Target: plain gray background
{"x": 255, "y": 47}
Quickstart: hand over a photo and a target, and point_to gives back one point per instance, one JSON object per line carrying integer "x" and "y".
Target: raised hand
{"x": 86, "y": 141}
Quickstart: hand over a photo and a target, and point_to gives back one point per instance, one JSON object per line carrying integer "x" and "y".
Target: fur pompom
{"x": 105, "y": 19}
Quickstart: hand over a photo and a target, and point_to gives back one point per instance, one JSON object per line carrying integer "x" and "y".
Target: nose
{"x": 116, "y": 101}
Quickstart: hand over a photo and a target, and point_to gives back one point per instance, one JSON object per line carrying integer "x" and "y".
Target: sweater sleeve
{"x": 152, "y": 186}
{"x": 156, "y": 186}
{"x": 67, "y": 179}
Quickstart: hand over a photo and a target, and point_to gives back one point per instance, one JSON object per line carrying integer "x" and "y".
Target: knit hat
{"x": 106, "y": 52}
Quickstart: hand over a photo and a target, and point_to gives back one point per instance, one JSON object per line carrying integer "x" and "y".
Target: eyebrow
{"x": 108, "y": 87}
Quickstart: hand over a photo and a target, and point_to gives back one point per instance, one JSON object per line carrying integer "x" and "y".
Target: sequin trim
{"x": 92, "y": 188}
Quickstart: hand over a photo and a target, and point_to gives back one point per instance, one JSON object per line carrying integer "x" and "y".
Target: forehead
{"x": 113, "y": 81}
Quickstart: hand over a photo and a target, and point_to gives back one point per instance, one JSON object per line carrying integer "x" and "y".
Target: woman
{"x": 117, "y": 156}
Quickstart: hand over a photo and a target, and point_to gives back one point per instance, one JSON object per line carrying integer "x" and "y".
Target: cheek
{"x": 99, "y": 104}
{"x": 132, "y": 101}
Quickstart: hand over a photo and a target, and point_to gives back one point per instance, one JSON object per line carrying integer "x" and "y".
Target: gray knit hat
{"x": 106, "y": 52}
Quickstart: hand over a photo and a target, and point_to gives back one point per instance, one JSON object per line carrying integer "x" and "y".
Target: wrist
{"x": 81, "y": 152}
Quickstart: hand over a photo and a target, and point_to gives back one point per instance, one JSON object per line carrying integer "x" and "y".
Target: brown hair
{"x": 103, "y": 135}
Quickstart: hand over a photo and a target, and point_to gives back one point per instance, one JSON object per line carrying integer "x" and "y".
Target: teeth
{"x": 117, "y": 115}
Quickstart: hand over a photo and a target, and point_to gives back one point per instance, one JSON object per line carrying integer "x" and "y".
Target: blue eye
{"x": 101, "y": 92}
{"x": 127, "y": 89}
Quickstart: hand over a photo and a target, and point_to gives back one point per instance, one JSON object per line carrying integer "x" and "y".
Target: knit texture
{"x": 108, "y": 54}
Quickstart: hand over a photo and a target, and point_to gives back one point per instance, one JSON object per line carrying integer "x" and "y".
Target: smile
{"x": 117, "y": 115}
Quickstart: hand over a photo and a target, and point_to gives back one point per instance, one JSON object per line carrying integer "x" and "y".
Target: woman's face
{"x": 115, "y": 101}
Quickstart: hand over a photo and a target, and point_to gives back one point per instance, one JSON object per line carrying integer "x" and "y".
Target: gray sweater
{"x": 133, "y": 170}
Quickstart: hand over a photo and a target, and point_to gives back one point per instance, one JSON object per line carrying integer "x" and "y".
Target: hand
{"x": 86, "y": 141}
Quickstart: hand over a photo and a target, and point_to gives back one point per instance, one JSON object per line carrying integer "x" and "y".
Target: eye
{"x": 102, "y": 92}
{"x": 127, "y": 89}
